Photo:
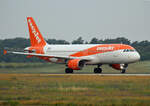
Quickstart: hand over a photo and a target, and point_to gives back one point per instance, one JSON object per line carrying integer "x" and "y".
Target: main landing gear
{"x": 98, "y": 69}
{"x": 69, "y": 70}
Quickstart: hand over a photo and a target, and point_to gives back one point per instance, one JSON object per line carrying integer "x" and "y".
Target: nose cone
{"x": 133, "y": 57}
{"x": 138, "y": 57}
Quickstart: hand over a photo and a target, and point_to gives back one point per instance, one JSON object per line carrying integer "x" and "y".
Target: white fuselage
{"x": 111, "y": 57}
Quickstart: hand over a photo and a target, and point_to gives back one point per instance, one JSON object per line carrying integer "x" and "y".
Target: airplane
{"x": 76, "y": 56}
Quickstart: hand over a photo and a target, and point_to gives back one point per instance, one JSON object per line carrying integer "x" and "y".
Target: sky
{"x": 70, "y": 19}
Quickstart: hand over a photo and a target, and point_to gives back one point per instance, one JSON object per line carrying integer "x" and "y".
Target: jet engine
{"x": 119, "y": 66}
{"x": 75, "y": 64}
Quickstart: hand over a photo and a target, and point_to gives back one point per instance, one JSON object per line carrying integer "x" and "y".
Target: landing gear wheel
{"x": 97, "y": 70}
{"x": 69, "y": 70}
{"x": 123, "y": 71}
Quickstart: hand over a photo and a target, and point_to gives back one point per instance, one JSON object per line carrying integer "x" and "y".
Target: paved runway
{"x": 124, "y": 74}
{"x": 101, "y": 74}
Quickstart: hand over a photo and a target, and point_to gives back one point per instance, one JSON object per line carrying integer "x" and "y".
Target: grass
{"x": 42, "y": 89}
{"x": 33, "y": 84}
{"x": 48, "y": 68}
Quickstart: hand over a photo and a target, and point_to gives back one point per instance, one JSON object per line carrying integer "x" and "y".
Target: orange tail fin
{"x": 36, "y": 38}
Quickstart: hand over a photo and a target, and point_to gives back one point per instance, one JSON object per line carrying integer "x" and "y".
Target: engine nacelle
{"x": 119, "y": 66}
{"x": 75, "y": 64}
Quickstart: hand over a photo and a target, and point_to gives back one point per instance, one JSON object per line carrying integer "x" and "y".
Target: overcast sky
{"x": 69, "y": 19}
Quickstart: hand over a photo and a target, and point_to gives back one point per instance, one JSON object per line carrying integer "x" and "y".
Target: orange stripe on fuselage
{"x": 102, "y": 49}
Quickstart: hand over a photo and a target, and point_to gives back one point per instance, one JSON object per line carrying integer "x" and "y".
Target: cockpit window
{"x": 129, "y": 50}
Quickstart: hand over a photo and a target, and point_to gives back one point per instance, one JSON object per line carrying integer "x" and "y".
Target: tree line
{"x": 143, "y": 47}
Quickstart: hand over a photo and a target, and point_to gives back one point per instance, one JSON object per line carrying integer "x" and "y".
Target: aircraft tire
{"x": 69, "y": 70}
{"x": 97, "y": 70}
{"x": 123, "y": 71}
{"x": 100, "y": 70}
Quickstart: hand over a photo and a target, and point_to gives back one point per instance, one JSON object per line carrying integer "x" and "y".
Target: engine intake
{"x": 119, "y": 66}
{"x": 76, "y": 64}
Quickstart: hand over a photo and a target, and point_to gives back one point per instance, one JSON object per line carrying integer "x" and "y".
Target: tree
{"x": 78, "y": 41}
{"x": 118, "y": 40}
{"x": 94, "y": 41}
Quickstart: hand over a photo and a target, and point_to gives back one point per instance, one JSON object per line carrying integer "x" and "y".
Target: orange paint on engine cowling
{"x": 74, "y": 64}
{"x": 116, "y": 66}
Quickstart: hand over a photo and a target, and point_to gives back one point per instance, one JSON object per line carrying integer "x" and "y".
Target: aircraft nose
{"x": 137, "y": 56}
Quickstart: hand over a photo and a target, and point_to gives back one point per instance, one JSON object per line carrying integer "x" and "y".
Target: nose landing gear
{"x": 124, "y": 68}
{"x": 123, "y": 71}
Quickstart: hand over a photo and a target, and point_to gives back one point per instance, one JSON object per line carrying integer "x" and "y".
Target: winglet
{"x": 5, "y": 52}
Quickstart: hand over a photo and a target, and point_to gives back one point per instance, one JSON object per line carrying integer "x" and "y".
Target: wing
{"x": 45, "y": 55}
{"x": 50, "y": 56}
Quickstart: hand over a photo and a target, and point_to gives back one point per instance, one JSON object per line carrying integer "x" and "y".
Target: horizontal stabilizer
{"x": 5, "y": 52}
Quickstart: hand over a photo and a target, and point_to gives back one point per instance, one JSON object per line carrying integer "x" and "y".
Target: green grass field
{"x": 42, "y": 89}
{"x": 33, "y": 84}
{"x": 48, "y": 68}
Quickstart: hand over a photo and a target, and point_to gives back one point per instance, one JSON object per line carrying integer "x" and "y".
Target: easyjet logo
{"x": 36, "y": 34}
{"x": 105, "y": 48}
